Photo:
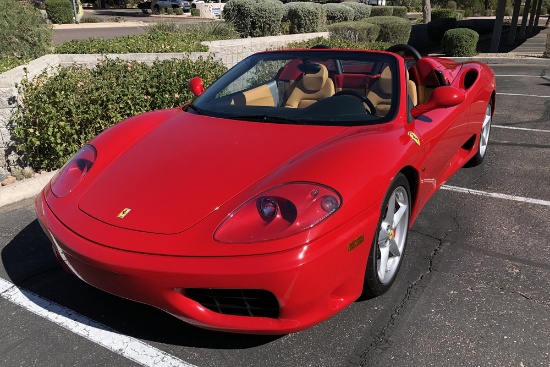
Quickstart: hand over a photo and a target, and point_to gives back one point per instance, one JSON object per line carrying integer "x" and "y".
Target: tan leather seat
{"x": 381, "y": 92}
{"x": 310, "y": 89}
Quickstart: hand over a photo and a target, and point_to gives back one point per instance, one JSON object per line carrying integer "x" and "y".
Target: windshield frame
{"x": 207, "y": 105}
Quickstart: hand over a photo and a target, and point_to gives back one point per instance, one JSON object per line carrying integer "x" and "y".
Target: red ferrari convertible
{"x": 290, "y": 186}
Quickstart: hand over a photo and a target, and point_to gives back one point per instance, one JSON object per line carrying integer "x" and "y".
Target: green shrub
{"x": 171, "y": 38}
{"x": 337, "y": 42}
{"x": 355, "y": 31}
{"x": 58, "y": 114}
{"x": 255, "y": 18}
{"x": 195, "y": 12}
{"x": 9, "y": 63}
{"x": 337, "y": 13}
{"x": 443, "y": 13}
{"x": 60, "y": 11}
{"x": 381, "y": 11}
{"x": 306, "y": 18}
{"x": 460, "y": 42}
{"x": 392, "y": 29}
{"x": 170, "y": 11}
{"x": 437, "y": 28}
{"x": 451, "y": 4}
{"x": 362, "y": 11}
{"x": 400, "y": 11}
{"x": 179, "y": 11}
{"x": 24, "y": 34}
{"x": 89, "y": 20}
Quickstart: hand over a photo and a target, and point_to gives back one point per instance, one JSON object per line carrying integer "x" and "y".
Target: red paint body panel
{"x": 182, "y": 174}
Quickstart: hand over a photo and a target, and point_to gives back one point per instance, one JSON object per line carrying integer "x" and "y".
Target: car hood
{"x": 189, "y": 166}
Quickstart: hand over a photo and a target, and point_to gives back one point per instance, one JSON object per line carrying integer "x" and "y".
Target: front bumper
{"x": 310, "y": 283}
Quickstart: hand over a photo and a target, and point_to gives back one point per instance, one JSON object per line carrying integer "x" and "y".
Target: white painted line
{"x": 496, "y": 195}
{"x": 520, "y": 75}
{"x": 125, "y": 346}
{"x": 523, "y": 95}
{"x": 521, "y": 128}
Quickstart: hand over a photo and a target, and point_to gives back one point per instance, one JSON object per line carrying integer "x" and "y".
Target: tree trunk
{"x": 426, "y": 11}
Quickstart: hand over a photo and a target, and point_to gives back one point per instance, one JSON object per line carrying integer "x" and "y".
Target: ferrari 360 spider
{"x": 291, "y": 184}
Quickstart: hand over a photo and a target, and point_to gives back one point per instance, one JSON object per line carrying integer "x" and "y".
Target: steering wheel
{"x": 406, "y": 49}
{"x": 347, "y": 92}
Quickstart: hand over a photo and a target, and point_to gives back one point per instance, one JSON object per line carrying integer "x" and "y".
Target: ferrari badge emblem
{"x": 124, "y": 213}
{"x": 414, "y": 137}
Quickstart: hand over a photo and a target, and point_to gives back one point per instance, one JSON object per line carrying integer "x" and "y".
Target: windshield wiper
{"x": 195, "y": 108}
{"x": 268, "y": 118}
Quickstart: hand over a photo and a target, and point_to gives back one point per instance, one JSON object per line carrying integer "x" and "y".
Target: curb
{"x": 24, "y": 189}
{"x": 99, "y": 25}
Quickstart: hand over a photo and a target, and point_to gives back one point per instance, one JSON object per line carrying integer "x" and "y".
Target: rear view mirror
{"x": 440, "y": 97}
{"x": 196, "y": 86}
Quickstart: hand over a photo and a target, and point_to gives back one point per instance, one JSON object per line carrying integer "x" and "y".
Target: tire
{"x": 390, "y": 239}
{"x": 483, "y": 138}
{"x": 156, "y": 9}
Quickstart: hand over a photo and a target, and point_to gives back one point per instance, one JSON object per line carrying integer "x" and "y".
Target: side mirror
{"x": 440, "y": 97}
{"x": 196, "y": 86}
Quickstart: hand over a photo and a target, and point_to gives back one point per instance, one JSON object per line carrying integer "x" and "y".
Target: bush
{"x": 337, "y": 42}
{"x": 451, "y": 4}
{"x": 60, "y": 11}
{"x": 255, "y": 18}
{"x": 170, "y": 11}
{"x": 24, "y": 34}
{"x": 381, "y": 11}
{"x": 400, "y": 11}
{"x": 91, "y": 19}
{"x": 362, "y": 11}
{"x": 437, "y": 28}
{"x": 443, "y": 13}
{"x": 179, "y": 11}
{"x": 392, "y": 29}
{"x": 460, "y": 42}
{"x": 306, "y": 18}
{"x": 170, "y": 38}
{"x": 337, "y": 13}
{"x": 355, "y": 31}
{"x": 195, "y": 12}
{"x": 58, "y": 114}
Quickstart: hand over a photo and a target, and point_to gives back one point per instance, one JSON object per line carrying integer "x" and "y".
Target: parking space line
{"x": 521, "y": 128}
{"x": 496, "y": 195}
{"x": 520, "y": 75}
{"x": 522, "y": 95}
{"x": 125, "y": 346}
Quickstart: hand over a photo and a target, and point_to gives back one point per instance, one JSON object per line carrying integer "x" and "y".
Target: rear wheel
{"x": 388, "y": 246}
{"x": 156, "y": 9}
{"x": 483, "y": 138}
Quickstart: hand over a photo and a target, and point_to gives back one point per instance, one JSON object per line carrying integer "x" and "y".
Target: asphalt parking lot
{"x": 473, "y": 289}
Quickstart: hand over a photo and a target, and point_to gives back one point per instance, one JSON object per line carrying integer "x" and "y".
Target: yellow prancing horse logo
{"x": 124, "y": 213}
{"x": 414, "y": 137}
{"x": 391, "y": 234}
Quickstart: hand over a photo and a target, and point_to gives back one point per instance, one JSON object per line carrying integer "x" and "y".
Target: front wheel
{"x": 388, "y": 246}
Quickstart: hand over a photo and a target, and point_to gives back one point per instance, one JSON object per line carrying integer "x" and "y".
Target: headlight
{"x": 279, "y": 212}
{"x": 73, "y": 171}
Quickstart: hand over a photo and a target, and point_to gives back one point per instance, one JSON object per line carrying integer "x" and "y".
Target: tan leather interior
{"x": 381, "y": 92}
{"x": 260, "y": 96}
{"x": 423, "y": 93}
{"x": 310, "y": 89}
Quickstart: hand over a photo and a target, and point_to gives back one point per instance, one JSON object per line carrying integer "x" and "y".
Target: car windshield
{"x": 312, "y": 87}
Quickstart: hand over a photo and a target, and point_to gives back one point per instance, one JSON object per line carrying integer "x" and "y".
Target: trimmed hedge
{"x": 392, "y": 29}
{"x": 381, "y": 11}
{"x": 400, "y": 11}
{"x": 443, "y": 13}
{"x": 60, "y": 11}
{"x": 362, "y": 11}
{"x": 460, "y": 42}
{"x": 355, "y": 31}
{"x": 162, "y": 37}
{"x": 306, "y": 18}
{"x": 337, "y": 13}
{"x": 437, "y": 28}
{"x": 24, "y": 34}
{"x": 58, "y": 114}
{"x": 254, "y": 18}
{"x": 337, "y": 42}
